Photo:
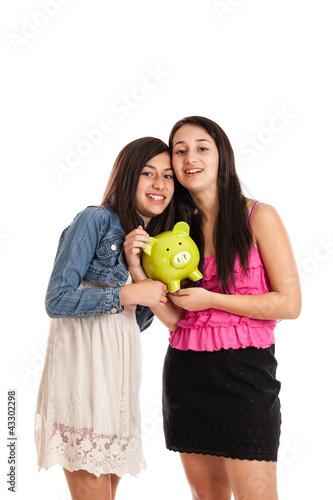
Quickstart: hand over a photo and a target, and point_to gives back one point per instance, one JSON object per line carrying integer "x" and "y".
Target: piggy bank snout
{"x": 181, "y": 259}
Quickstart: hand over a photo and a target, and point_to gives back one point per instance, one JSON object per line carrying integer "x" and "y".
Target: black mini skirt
{"x": 223, "y": 403}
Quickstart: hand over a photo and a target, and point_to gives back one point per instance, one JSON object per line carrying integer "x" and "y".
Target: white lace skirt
{"x": 88, "y": 413}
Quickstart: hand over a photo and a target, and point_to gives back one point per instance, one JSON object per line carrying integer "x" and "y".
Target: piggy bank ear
{"x": 181, "y": 228}
{"x": 149, "y": 246}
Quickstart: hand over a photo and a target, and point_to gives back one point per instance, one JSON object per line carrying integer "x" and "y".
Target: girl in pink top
{"x": 221, "y": 405}
{"x": 213, "y": 329}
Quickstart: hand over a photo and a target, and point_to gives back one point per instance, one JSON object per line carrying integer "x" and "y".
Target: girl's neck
{"x": 207, "y": 203}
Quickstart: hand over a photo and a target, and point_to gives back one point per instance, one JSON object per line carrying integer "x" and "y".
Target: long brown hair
{"x": 231, "y": 235}
{"x": 119, "y": 195}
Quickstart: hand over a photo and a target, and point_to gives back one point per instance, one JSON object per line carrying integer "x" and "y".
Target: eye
{"x": 168, "y": 176}
{"x": 167, "y": 249}
{"x": 179, "y": 243}
{"x": 203, "y": 149}
{"x": 147, "y": 174}
{"x": 180, "y": 152}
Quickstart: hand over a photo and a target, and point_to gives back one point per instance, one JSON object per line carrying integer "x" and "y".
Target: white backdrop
{"x": 80, "y": 80}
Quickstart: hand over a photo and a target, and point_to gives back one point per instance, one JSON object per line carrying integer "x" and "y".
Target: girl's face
{"x": 155, "y": 187}
{"x": 195, "y": 158}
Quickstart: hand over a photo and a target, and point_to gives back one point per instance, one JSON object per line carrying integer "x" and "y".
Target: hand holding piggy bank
{"x": 171, "y": 257}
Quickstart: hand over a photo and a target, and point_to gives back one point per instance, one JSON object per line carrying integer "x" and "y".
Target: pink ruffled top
{"x": 213, "y": 329}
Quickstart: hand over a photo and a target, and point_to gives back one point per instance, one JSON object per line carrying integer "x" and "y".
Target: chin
{"x": 158, "y": 212}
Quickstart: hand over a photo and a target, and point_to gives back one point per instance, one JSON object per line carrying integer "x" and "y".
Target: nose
{"x": 158, "y": 183}
{"x": 181, "y": 259}
{"x": 190, "y": 157}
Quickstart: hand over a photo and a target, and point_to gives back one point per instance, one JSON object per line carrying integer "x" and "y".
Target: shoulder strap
{"x": 249, "y": 215}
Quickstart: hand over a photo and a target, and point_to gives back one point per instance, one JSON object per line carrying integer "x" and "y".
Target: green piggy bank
{"x": 171, "y": 257}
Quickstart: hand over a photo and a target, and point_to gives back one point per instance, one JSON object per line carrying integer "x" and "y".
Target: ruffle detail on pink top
{"x": 214, "y": 338}
{"x": 213, "y": 329}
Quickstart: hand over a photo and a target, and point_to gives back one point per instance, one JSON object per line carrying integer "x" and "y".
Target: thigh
{"x": 207, "y": 476}
{"x": 252, "y": 479}
{"x": 86, "y": 486}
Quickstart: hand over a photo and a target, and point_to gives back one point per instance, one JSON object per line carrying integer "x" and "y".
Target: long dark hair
{"x": 119, "y": 195}
{"x": 231, "y": 235}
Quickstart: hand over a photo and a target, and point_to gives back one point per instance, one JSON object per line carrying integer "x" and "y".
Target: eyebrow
{"x": 197, "y": 140}
{"x": 152, "y": 166}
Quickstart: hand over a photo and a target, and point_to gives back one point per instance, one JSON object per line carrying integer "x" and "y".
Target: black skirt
{"x": 222, "y": 403}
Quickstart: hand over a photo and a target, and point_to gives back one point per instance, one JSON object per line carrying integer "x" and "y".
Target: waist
{"x": 212, "y": 330}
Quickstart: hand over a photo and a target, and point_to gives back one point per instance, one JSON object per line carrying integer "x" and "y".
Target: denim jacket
{"x": 91, "y": 248}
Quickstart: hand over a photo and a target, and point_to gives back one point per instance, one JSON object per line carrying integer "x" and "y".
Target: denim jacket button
{"x": 113, "y": 310}
{"x": 113, "y": 247}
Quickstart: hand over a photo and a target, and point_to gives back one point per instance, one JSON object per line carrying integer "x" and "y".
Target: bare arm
{"x": 283, "y": 302}
{"x": 134, "y": 243}
{"x": 148, "y": 293}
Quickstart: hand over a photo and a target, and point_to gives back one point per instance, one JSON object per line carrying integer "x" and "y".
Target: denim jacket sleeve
{"x": 144, "y": 317}
{"x": 76, "y": 249}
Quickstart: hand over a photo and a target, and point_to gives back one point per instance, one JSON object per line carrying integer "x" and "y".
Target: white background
{"x": 66, "y": 67}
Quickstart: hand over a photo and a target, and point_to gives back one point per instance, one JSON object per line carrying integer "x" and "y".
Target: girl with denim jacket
{"x": 88, "y": 415}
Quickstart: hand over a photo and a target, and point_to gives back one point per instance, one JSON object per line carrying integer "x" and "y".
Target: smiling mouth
{"x": 193, "y": 171}
{"x": 156, "y": 197}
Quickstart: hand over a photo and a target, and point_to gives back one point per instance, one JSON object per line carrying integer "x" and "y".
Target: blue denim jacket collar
{"x": 141, "y": 219}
